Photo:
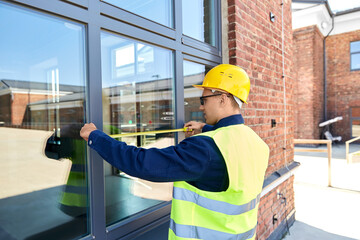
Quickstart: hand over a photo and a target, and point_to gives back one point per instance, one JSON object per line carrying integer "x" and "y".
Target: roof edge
{"x": 331, "y": 13}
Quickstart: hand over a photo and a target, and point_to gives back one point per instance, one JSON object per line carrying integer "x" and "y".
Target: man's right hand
{"x": 86, "y": 130}
{"x": 194, "y": 128}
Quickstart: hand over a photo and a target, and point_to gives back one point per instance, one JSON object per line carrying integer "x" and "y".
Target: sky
{"x": 342, "y": 5}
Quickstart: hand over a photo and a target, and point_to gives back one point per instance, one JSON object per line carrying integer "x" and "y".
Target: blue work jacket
{"x": 196, "y": 160}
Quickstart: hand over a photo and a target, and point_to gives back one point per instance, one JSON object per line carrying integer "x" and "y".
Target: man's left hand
{"x": 86, "y": 130}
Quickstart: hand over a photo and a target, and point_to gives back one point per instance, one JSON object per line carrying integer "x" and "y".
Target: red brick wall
{"x": 309, "y": 84}
{"x": 255, "y": 44}
{"x": 343, "y": 84}
{"x": 271, "y": 205}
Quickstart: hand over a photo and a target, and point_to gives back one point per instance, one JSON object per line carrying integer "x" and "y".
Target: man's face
{"x": 210, "y": 107}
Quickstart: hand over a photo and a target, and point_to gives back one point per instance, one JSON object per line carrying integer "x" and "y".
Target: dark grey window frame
{"x": 353, "y": 53}
{"x": 98, "y": 16}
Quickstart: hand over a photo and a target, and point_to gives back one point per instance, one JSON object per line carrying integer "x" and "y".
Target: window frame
{"x": 98, "y": 16}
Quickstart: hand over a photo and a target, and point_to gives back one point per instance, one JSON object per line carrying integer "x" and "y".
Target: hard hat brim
{"x": 203, "y": 86}
{"x": 198, "y": 86}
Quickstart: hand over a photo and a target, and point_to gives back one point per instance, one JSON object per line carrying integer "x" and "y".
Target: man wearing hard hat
{"x": 218, "y": 174}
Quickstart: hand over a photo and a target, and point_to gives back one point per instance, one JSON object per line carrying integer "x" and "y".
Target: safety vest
{"x": 230, "y": 214}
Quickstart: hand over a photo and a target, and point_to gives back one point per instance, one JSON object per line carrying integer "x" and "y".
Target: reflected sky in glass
{"x": 160, "y": 11}
{"x": 31, "y": 44}
{"x": 195, "y": 25}
{"x": 193, "y": 72}
{"x": 191, "y": 68}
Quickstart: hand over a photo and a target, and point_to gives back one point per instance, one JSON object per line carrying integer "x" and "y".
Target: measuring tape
{"x": 185, "y": 129}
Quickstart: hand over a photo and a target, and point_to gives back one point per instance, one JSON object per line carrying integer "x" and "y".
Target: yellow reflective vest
{"x": 74, "y": 199}
{"x": 230, "y": 214}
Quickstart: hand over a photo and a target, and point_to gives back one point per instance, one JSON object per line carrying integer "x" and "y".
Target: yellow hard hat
{"x": 229, "y": 78}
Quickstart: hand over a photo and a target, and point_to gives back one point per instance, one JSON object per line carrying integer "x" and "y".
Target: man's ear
{"x": 223, "y": 98}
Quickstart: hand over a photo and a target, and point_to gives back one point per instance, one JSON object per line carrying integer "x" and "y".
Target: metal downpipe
{"x": 325, "y": 68}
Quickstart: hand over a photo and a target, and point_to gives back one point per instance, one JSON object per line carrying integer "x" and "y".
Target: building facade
{"x": 129, "y": 66}
{"x": 327, "y": 63}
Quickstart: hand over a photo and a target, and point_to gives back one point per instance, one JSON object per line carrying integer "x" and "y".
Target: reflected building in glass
{"x": 34, "y": 105}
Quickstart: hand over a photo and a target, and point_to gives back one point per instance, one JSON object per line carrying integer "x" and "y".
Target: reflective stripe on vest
{"x": 231, "y": 214}
{"x": 214, "y": 205}
{"x": 195, "y": 232}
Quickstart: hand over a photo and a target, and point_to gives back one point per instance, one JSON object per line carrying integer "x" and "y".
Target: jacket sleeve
{"x": 187, "y": 161}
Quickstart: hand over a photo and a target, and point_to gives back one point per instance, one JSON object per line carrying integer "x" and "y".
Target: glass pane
{"x": 137, "y": 97}
{"x": 43, "y": 187}
{"x": 355, "y": 61}
{"x": 194, "y": 73}
{"x": 355, "y": 46}
{"x": 160, "y": 11}
{"x": 199, "y": 20}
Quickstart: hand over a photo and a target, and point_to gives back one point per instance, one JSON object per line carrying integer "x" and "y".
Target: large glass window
{"x": 43, "y": 187}
{"x": 198, "y": 17}
{"x": 355, "y": 55}
{"x": 160, "y": 11}
{"x": 137, "y": 97}
{"x": 194, "y": 74}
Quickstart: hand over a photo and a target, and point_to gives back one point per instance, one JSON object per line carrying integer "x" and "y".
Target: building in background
{"x": 327, "y": 68}
{"x": 128, "y": 66}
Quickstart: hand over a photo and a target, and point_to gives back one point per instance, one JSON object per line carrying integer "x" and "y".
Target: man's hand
{"x": 86, "y": 130}
{"x": 193, "y": 128}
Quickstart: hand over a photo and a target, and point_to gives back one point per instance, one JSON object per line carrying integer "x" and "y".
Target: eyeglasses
{"x": 202, "y": 98}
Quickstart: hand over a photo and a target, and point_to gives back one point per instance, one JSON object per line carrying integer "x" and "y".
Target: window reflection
{"x": 133, "y": 59}
{"x": 43, "y": 190}
{"x": 198, "y": 18}
{"x": 194, "y": 74}
{"x": 137, "y": 97}
{"x": 156, "y": 10}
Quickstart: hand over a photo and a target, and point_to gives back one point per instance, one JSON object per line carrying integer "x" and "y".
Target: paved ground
{"x": 322, "y": 212}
